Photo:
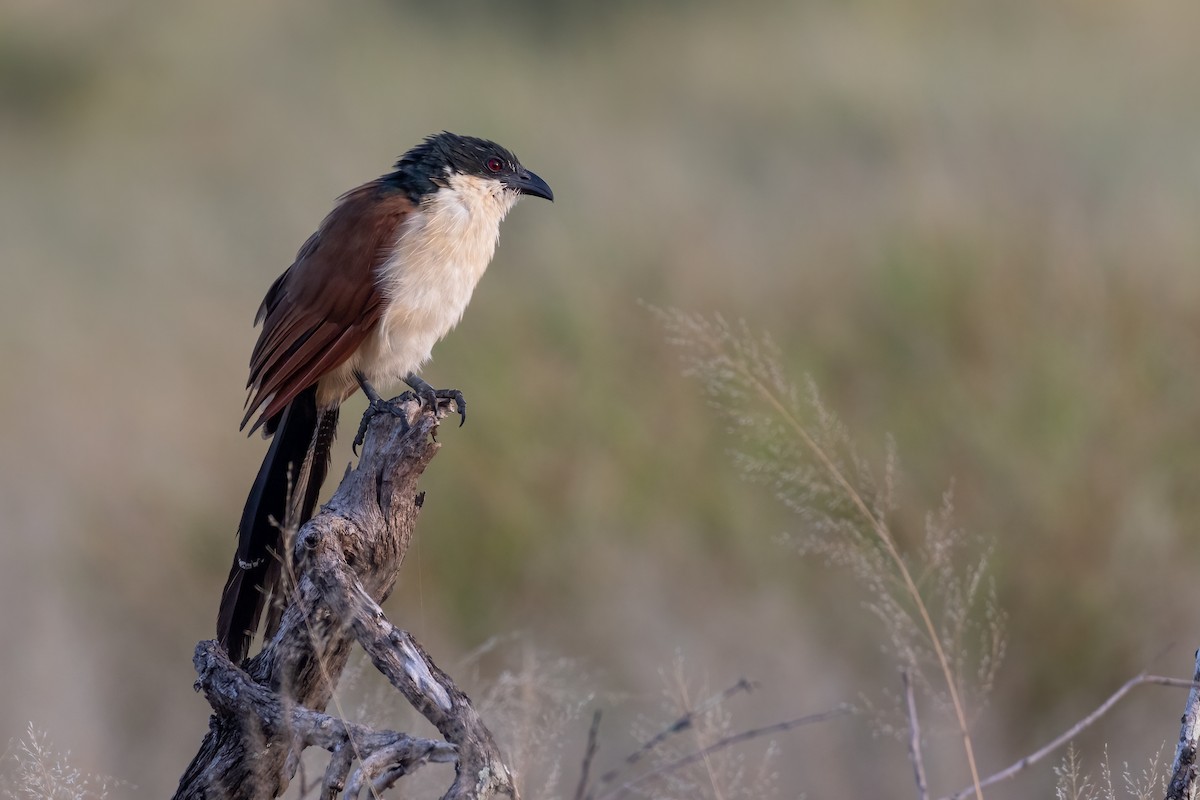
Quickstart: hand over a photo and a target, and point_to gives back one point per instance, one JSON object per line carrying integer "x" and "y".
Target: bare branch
{"x": 1184, "y": 770}
{"x": 230, "y": 691}
{"x": 1076, "y": 729}
{"x": 588, "y": 755}
{"x": 914, "y": 741}
{"x": 678, "y": 726}
{"x": 745, "y": 736}
{"x": 481, "y": 772}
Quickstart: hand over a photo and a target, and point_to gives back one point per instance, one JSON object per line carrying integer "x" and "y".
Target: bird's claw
{"x": 460, "y": 402}
{"x": 429, "y": 398}
{"x": 381, "y": 406}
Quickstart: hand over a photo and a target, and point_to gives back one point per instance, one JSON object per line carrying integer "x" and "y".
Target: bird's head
{"x": 446, "y": 158}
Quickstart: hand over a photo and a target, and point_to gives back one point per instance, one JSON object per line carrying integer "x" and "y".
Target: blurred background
{"x": 974, "y": 224}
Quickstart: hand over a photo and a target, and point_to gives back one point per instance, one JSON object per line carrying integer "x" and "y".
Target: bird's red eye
{"x": 495, "y": 164}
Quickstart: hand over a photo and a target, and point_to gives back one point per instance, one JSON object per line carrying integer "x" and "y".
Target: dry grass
{"x": 1076, "y": 784}
{"x": 36, "y": 769}
{"x": 940, "y": 622}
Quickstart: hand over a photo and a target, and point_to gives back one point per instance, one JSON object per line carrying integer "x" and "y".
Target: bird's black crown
{"x": 418, "y": 170}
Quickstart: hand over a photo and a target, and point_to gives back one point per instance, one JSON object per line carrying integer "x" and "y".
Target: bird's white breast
{"x": 441, "y": 252}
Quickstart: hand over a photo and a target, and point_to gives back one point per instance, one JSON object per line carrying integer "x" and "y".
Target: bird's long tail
{"x": 284, "y": 495}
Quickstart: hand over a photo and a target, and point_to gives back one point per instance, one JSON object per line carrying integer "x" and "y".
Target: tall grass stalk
{"x": 826, "y": 482}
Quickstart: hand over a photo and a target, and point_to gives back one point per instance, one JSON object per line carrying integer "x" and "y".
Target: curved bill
{"x": 527, "y": 182}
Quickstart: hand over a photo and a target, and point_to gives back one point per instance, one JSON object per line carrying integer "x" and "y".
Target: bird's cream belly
{"x": 401, "y": 343}
{"x": 406, "y": 337}
{"x": 439, "y": 256}
{"x": 399, "y": 346}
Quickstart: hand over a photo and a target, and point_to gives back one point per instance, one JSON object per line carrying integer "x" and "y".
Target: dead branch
{"x": 684, "y": 723}
{"x": 231, "y": 692}
{"x": 345, "y": 562}
{"x": 605, "y": 791}
{"x": 914, "y": 736}
{"x": 593, "y": 744}
{"x": 1184, "y": 771}
{"x": 1074, "y": 731}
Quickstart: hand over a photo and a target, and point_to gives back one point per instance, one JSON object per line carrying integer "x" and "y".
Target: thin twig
{"x": 914, "y": 742}
{"x": 678, "y": 726}
{"x": 728, "y": 741}
{"x": 681, "y": 685}
{"x": 588, "y": 755}
{"x": 1075, "y": 730}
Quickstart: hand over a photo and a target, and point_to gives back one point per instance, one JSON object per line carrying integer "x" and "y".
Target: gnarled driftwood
{"x": 346, "y": 560}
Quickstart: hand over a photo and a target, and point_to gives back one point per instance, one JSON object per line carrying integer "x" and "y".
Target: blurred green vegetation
{"x": 975, "y": 225}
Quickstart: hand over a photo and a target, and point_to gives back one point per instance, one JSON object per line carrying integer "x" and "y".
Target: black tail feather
{"x": 255, "y": 574}
{"x": 322, "y": 443}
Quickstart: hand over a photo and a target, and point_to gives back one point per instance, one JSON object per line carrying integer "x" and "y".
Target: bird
{"x": 386, "y": 275}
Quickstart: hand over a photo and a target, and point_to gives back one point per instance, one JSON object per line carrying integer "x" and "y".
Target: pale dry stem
{"x": 702, "y": 333}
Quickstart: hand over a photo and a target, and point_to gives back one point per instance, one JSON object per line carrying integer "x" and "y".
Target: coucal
{"x": 387, "y": 274}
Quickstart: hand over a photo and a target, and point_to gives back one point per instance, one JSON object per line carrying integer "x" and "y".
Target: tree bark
{"x": 1184, "y": 770}
{"x": 345, "y": 562}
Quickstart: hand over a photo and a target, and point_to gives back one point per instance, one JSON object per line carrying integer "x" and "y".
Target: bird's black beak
{"x": 527, "y": 182}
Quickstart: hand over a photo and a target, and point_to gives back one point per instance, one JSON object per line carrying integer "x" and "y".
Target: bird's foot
{"x": 460, "y": 402}
{"x": 380, "y": 406}
{"x": 432, "y": 399}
